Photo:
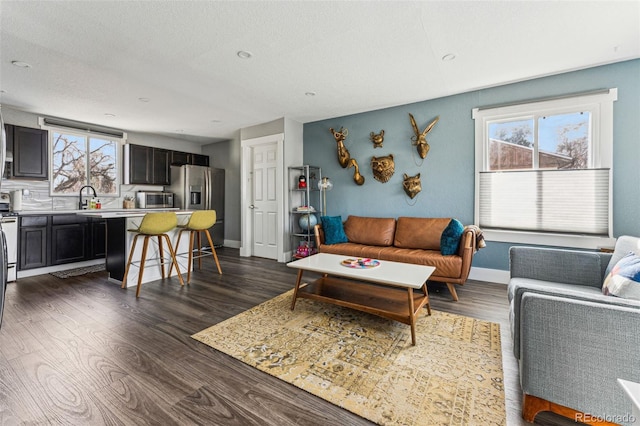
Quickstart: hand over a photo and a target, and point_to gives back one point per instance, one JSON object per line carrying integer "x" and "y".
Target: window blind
{"x": 562, "y": 201}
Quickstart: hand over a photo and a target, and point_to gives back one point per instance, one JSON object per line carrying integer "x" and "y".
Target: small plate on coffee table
{"x": 360, "y": 263}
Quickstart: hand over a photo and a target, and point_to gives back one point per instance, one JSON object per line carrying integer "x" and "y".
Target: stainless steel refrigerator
{"x": 200, "y": 188}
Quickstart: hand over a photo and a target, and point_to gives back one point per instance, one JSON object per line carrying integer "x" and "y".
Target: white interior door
{"x": 265, "y": 200}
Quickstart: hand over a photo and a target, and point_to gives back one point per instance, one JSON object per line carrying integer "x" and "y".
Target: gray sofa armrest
{"x": 574, "y": 350}
{"x": 559, "y": 265}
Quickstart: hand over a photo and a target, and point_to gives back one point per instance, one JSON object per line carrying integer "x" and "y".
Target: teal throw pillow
{"x": 450, "y": 239}
{"x": 624, "y": 278}
{"x": 333, "y": 230}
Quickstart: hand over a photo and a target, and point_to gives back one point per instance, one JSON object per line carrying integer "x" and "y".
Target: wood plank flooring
{"x": 82, "y": 351}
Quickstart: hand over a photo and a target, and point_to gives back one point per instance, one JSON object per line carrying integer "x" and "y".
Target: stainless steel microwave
{"x": 154, "y": 199}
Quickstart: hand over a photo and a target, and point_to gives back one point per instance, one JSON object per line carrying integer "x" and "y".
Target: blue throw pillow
{"x": 624, "y": 278}
{"x": 333, "y": 230}
{"x": 450, "y": 239}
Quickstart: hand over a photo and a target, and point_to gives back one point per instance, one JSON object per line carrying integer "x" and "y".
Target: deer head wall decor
{"x": 357, "y": 177}
{"x": 343, "y": 153}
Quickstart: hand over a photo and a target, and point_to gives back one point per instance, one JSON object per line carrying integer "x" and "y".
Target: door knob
{"x": 252, "y": 206}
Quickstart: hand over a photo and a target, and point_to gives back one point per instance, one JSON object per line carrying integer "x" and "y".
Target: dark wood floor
{"x": 82, "y": 351}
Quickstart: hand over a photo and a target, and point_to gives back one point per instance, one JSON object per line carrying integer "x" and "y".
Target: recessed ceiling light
{"x": 144, "y": 99}
{"x": 449, "y": 57}
{"x": 20, "y": 64}
{"x": 108, "y": 114}
{"x": 310, "y": 93}
{"x": 243, "y": 54}
{"x": 215, "y": 121}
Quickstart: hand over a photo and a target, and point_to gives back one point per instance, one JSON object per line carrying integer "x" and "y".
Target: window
{"x": 83, "y": 157}
{"x": 543, "y": 170}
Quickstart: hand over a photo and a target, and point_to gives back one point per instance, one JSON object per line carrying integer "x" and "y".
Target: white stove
{"x": 9, "y": 224}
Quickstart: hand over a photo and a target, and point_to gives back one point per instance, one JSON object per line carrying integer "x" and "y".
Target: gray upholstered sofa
{"x": 571, "y": 341}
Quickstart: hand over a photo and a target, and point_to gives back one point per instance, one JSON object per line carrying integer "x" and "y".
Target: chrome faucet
{"x": 80, "y": 203}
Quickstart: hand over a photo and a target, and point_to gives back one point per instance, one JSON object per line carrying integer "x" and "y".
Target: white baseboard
{"x": 489, "y": 275}
{"x": 232, "y": 244}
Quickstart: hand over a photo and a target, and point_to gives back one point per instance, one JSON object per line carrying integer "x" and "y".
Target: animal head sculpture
{"x": 420, "y": 138}
{"x": 411, "y": 184}
{"x": 357, "y": 177}
{"x": 383, "y": 168}
{"x": 343, "y": 153}
{"x": 377, "y": 139}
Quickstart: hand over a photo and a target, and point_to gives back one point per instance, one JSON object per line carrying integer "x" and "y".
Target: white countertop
{"x": 101, "y": 212}
{"x": 115, "y": 213}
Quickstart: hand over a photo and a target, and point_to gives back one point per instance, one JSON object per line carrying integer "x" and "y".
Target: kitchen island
{"x": 119, "y": 241}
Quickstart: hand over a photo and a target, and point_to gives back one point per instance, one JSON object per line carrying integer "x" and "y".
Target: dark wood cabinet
{"x": 98, "y": 238}
{"x": 200, "y": 160}
{"x": 148, "y": 165}
{"x": 49, "y": 240}
{"x": 30, "y": 152}
{"x": 33, "y": 242}
{"x": 140, "y": 162}
{"x": 69, "y": 239}
{"x": 180, "y": 158}
{"x": 161, "y": 164}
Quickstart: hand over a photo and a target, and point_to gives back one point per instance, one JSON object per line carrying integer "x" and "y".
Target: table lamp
{"x": 324, "y": 185}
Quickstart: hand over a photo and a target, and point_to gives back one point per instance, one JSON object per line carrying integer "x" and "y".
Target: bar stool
{"x": 200, "y": 221}
{"x": 153, "y": 225}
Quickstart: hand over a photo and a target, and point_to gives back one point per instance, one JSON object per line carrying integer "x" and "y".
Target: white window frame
{"x": 88, "y": 133}
{"x": 600, "y": 105}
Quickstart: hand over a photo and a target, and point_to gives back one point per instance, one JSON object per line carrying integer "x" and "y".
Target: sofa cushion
{"x": 333, "y": 229}
{"x": 450, "y": 239}
{"x": 624, "y": 278}
{"x": 376, "y": 231}
{"x": 420, "y": 233}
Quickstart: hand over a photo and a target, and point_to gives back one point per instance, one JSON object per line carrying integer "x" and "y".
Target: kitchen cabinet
{"x": 161, "y": 164}
{"x": 179, "y": 158}
{"x": 69, "y": 239}
{"x": 33, "y": 242}
{"x": 98, "y": 238}
{"x": 47, "y": 240}
{"x": 199, "y": 160}
{"x": 147, "y": 165}
{"x": 30, "y": 152}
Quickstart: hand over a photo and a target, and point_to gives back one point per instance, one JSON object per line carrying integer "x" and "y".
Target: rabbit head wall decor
{"x": 420, "y": 138}
{"x": 383, "y": 168}
{"x": 343, "y": 153}
{"x": 411, "y": 185}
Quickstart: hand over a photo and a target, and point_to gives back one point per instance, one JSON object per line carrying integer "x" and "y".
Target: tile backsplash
{"x": 36, "y": 195}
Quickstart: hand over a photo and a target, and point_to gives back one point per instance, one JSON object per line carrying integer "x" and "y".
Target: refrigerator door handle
{"x": 207, "y": 189}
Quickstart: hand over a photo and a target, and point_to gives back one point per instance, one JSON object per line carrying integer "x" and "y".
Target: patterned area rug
{"x": 78, "y": 271}
{"x": 366, "y": 364}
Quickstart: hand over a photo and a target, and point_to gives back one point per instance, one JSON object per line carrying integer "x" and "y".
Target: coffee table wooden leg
{"x": 295, "y": 290}
{"x": 426, "y": 294}
{"x": 412, "y": 317}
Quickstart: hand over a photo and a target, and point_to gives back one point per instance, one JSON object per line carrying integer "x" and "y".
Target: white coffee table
{"x": 386, "y": 290}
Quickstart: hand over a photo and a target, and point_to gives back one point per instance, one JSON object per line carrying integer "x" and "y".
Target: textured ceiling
{"x": 91, "y": 58}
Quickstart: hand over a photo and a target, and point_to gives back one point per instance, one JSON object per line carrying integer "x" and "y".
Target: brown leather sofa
{"x": 407, "y": 239}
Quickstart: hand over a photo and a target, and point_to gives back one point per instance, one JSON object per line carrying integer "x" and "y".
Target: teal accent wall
{"x": 447, "y": 173}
